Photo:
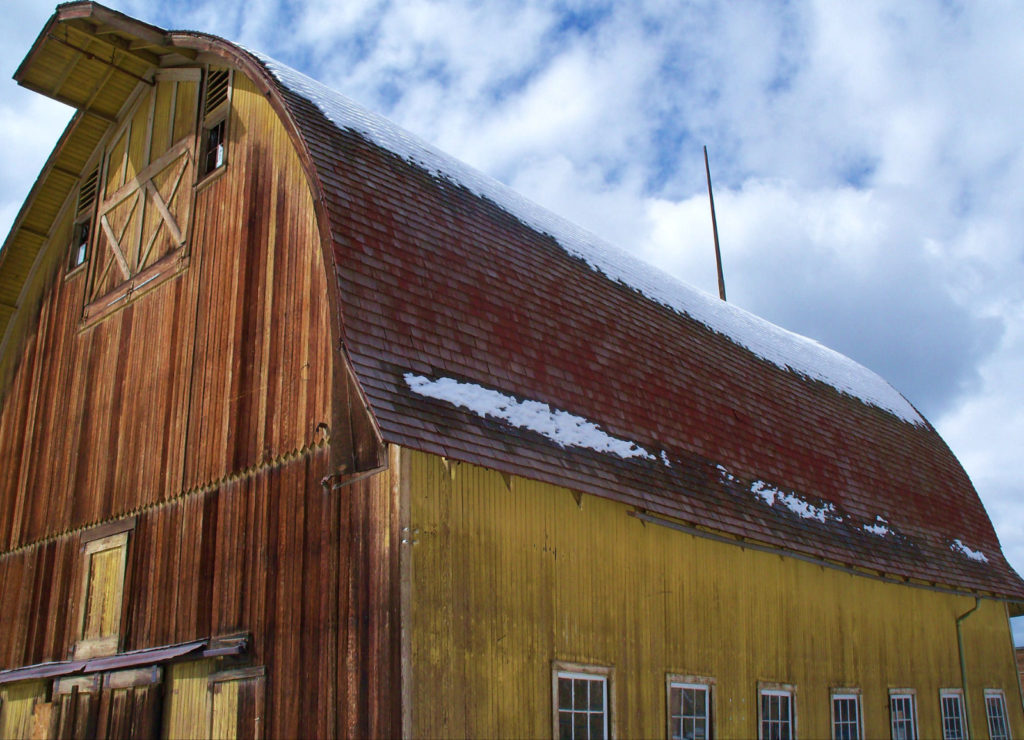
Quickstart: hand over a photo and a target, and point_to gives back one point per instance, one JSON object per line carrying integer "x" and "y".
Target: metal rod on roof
{"x": 714, "y": 229}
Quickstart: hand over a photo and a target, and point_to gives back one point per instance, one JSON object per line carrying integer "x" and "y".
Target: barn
{"x": 308, "y": 429}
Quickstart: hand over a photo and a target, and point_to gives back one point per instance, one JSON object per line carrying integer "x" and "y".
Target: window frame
{"x": 80, "y": 248}
{"x": 999, "y": 696}
{"x": 846, "y": 694}
{"x": 766, "y": 688}
{"x": 689, "y": 681}
{"x": 957, "y": 694}
{"x": 589, "y": 672}
{"x": 111, "y": 536}
{"x": 218, "y": 116}
{"x": 911, "y": 695}
{"x": 86, "y": 199}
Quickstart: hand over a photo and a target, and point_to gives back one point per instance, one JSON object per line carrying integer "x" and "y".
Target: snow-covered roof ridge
{"x": 779, "y": 346}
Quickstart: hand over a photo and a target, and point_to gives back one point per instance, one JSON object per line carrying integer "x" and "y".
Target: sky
{"x": 867, "y": 158}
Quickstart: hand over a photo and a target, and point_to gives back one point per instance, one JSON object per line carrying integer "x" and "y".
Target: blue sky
{"x": 867, "y": 158}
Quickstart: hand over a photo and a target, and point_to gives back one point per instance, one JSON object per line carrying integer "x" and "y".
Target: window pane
{"x": 579, "y": 722}
{"x": 565, "y": 693}
{"x": 845, "y": 722}
{"x": 597, "y": 726}
{"x": 579, "y": 694}
{"x": 596, "y": 695}
{"x": 996, "y": 711}
{"x": 564, "y": 726}
{"x": 952, "y": 721}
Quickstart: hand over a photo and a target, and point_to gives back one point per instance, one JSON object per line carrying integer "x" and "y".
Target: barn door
{"x": 236, "y": 704}
{"x": 77, "y": 703}
{"x": 148, "y": 173}
{"x": 130, "y": 704}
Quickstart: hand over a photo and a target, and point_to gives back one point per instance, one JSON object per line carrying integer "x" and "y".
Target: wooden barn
{"x": 307, "y": 429}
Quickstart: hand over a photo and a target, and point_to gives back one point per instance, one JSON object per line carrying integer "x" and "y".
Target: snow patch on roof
{"x": 798, "y": 505}
{"x": 958, "y": 546}
{"x": 779, "y": 346}
{"x": 879, "y": 528}
{"x": 561, "y": 427}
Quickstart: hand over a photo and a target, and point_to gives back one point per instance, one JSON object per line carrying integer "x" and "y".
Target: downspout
{"x": 963, "y": 659}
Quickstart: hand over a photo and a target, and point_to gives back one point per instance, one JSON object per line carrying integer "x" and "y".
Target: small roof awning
{"x": 206, "y": 647}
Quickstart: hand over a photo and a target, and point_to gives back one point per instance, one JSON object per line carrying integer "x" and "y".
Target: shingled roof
{"x": 485, "y": 329}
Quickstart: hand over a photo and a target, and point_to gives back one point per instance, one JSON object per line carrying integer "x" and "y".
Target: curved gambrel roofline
{"x": 474, "y": 325}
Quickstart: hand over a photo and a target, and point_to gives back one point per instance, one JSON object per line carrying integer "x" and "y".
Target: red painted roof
{"x": 441, "y": 282}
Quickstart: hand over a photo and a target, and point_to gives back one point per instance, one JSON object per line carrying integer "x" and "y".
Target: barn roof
{"x": 485, "y": 329}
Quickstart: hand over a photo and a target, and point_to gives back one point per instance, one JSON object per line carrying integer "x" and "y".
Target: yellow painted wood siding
{"x": 17, "y": 702}
{"x": 187, "y": 701}
{"x": 224, "y": 698}
{"x": 508, "y": 575}
{"x": 103, "y": 602}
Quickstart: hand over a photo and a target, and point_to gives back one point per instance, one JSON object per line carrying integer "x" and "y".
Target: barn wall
{"x": 267, "y": 554}
{"x": 201, "y": 408}
{"x": 218, "y": 369}
{"x": 507, "y": 575}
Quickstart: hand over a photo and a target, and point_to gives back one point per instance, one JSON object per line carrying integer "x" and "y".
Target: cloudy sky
{"x": 867, "y": 158}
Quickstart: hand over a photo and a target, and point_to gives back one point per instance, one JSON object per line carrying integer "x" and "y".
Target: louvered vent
{"x": 216, "y": 90}
{"x": 87, "y": 194}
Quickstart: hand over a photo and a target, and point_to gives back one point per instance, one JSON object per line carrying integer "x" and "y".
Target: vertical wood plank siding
{"x": 269, "y": 554}
{"x": 196, "y": 409}
{"x": 508, "y": 576}
{"x": 223, "y": 367}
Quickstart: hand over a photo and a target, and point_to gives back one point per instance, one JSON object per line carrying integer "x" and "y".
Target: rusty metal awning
{"x": 208, "y": 647}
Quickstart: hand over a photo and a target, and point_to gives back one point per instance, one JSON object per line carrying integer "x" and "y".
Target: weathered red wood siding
{"x": 214, "y": 371}
{"x": 198, "y": 409}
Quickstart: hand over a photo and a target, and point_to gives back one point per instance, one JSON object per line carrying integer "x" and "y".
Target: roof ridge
{"x": 783, "y": 348}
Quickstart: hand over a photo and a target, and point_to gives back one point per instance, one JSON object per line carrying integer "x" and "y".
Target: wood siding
{"x": 509, "y": 575}
{"x": 309, "y": 572}
{"x": 202, "y": 409}
{"x": 223, "y": 367}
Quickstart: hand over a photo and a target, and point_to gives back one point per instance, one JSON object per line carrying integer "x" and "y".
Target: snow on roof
{"x": 959, "y": 547}
{"x": 561, "y": 427}
{"x": 785, "y": 349}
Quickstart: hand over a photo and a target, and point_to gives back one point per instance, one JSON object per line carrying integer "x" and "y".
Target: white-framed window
{"x": 690, "y": 714}
{"x": 582, "y": 701}
{"x": 995, "y": 712}
{"x": 903, "y": 714}
{"x": 951, "y": 704}
{"x": 776, "y": 712}
{"x": 847, "y": 723}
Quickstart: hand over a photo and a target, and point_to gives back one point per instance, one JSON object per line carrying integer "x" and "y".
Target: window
{"x": 105, "y": 552}
{"x": 689, "y": 708}
{"x": 581, "y": 702}
{"x": 952, "y": 705}
{"x": 79, "y": 251}
{"x": 846, "y": 720}
{"x": 903, "y": 714}
{"x": 995, "y": 711}
{"x": 776, "y": 712}
{"x": 213, "y": 145}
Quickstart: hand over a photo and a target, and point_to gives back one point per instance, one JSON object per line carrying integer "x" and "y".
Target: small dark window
{"x": 80, "y": 244}
{"x": 213, "y": 146}
{"x": 82, "y": 230}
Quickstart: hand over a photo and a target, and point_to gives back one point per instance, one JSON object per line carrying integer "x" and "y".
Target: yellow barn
{"x": 308, "y": 429}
